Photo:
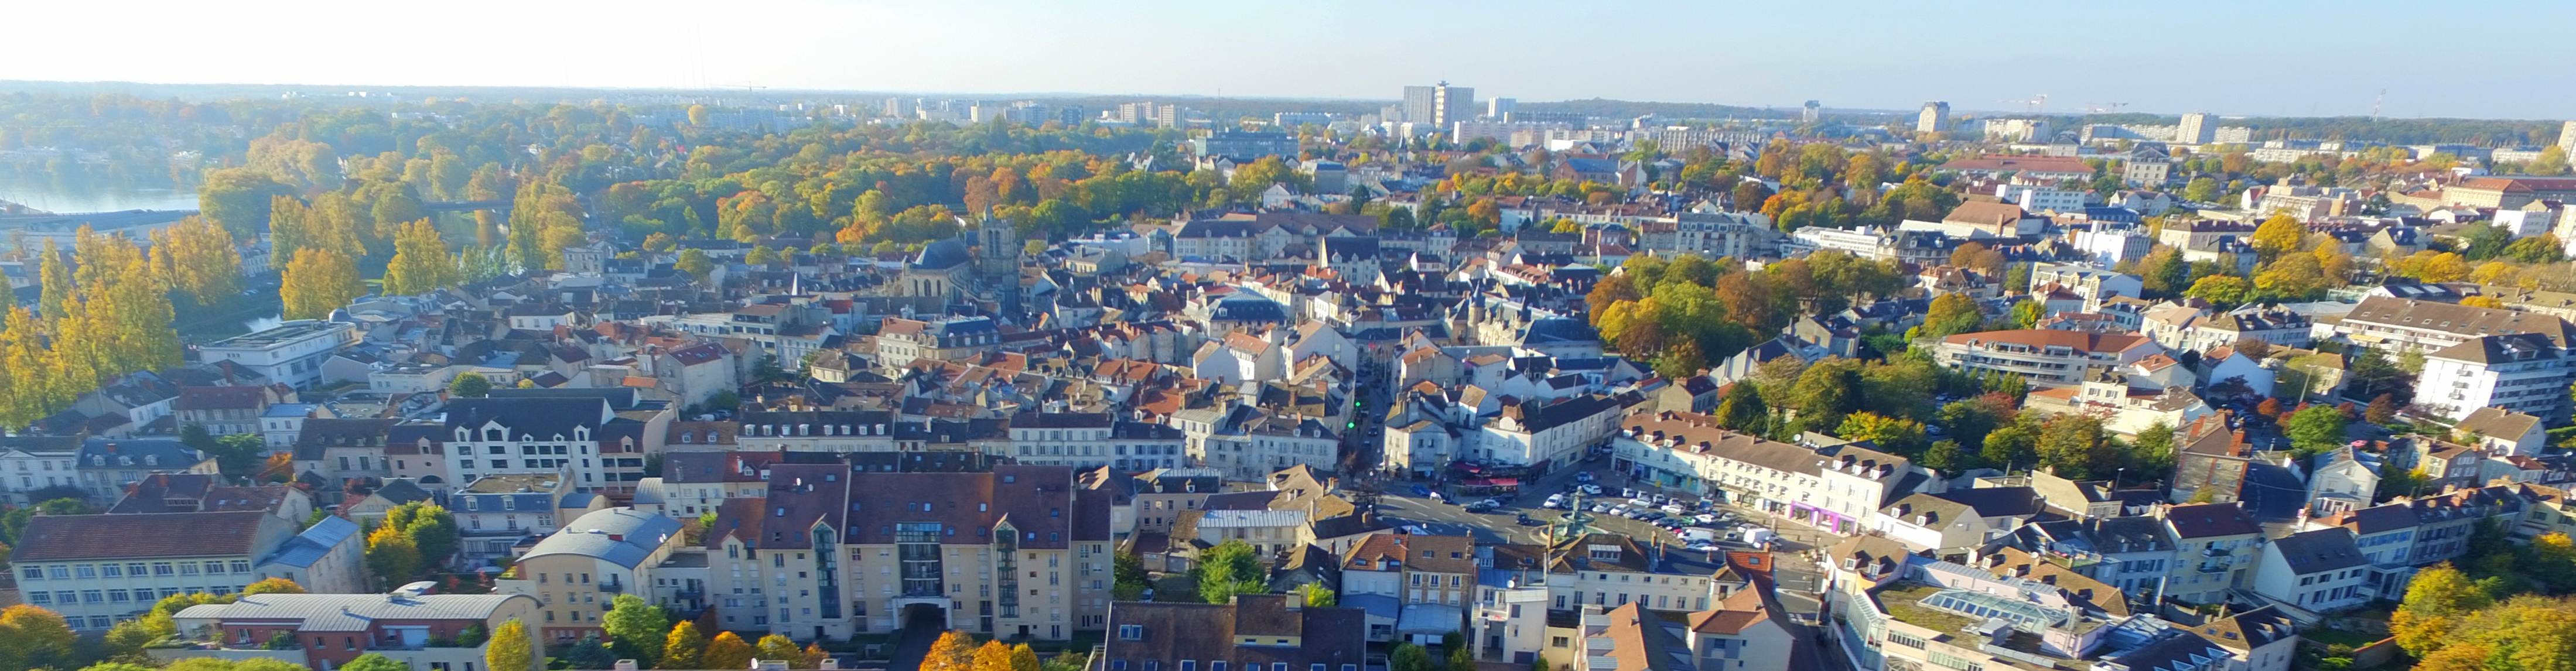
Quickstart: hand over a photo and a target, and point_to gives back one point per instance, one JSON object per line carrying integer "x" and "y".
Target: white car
{"x": 1591, "y": 490}
{"x": 1621, "y": 511}
{"x": 1673, "y": 509}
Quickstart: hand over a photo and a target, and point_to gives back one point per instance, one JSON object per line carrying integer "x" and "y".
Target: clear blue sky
{"x": 2471, "y": 59}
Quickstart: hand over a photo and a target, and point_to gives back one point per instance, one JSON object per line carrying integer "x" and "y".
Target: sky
{"x": 2267, "y": 58}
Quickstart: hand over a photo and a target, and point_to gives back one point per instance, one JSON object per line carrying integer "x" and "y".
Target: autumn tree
{"x": 953, "y": 651}
{"x": 780, "y": 648}
{"x": 510, "y": 649}
{"x": 273, "y": 586}
{"x": 198, "y": 257}
{"x": 683, "y": 647}
{"x": 1951, "y": 314}
{"x": 317, "y": 282}
{"x": 2278, "y": 235}
{"x": 392, "y": 555}
{"x": 727, "y": 651}
{"x": 238, "y": 198}
{"x": 993, "y": 656}
{"x": 421, "y": 262}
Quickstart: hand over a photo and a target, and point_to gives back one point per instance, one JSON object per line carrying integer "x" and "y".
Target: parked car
{"x": 1419, "y": 490}
{"x": 1600, "y": 508}
{"x": 1583, "y": 476}
{"x": 1482, "y": 506}
{"x": 1621, "y": 511}
{"x": 1528, "y": 521}
{"x": 1554, "y": 501}
{"x": 1674, "y": 509}
{"x": 1591, "y": 490}
{"x": 1705, "y": 518}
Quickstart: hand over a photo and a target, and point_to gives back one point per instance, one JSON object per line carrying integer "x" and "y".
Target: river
{"x": 61, "y": 197}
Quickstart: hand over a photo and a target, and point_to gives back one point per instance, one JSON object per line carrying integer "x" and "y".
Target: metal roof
{"x": 624, "y": 536}
{"x": 309, "y": 547}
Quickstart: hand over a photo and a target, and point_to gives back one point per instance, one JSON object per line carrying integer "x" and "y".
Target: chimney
{"x": 626, "y": 665}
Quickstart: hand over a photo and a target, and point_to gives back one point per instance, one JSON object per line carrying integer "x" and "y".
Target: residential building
{"x": 2502, "y": 432}
{"x": 834, "y": 431}
{"x": 496, "y": 513}
{"x": 2094, "y": 285}
{"x": 575, "y": 573}
{"x": 2342, "y": 479}
{"x": 2044, "y": 357}
{"x": 108, "y": 468}
{"x": 291, "y": 353}
{"x": 1935, "y": 118}
{"x": 1837, "y": 489}
{"x": 97, "y": 570}
{"x": 223, "y": 411}
{"x": 1244, "y": 147}
{"x": 2262, "y": 639}
{"x": 1543, "y": 432}
{"x": 2522, "y": 373}
{"x": 1740, "y": 634}
{"x": 1413, "y": 568}
{"x": 1957, "y": 521}
{"x": 2216, "y": 546}
{"x": 430, "y": 632}
{"x": 1255, "y": 631}
{"x": 2319, "y": 570}
{"x": 585, "y": 435}
{"x": 1012, "y": 550}
{"x": 2400, "y": 324}
{"x": 901, "y": 341}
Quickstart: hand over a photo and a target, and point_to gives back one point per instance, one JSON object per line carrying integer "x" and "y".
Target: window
{"x": 86, "y": 571}
{"x": 40, "y": 598}
{"x": 162, "y": 568}
{"x": 1131, "y": 632}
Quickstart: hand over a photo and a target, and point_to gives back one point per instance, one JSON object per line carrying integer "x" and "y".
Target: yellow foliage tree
{"x": 993, "y": 656}
{"x": 421, "y": 262}
{"x": 318, "y": 281}
{"x": 2279, "y": 234}
{"x": 510, "y": 648}
{"x": 727, "y": 651}
{"x": 954, "y": 651}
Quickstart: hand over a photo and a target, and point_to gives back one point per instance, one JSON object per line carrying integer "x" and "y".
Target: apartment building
{"x": 2319, "y": 570}
{"x": 2521, "y": 373}
{"x": 902, "y": 341}
{"x": 223, "y": 411}
{"x": 577, "y": 572}
{"x": 493, "y": 436}
{"x": 1556, "y": 432}
{"x": 810, "y": 431}
{"x": 2044, "y": 357}
{"x": 1740, "y": 634}
{"x": 1413, "y": 568}
{"x": 1091, "y": 440}
{"x": 1256, "y": 631}
{"x": 291, "y": 353}
{"x": 97, "y": 570}
{"x": 2215, "y": 549}
{"x": 840, "y": 548}
{"x": 1837, "y": 488}
{"x": 432, "y": 632}
{"x": 696, "y": 483}
{"x": 2402, "y": 323}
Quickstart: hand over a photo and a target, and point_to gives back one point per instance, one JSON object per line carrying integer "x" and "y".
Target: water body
{"x": 61, "y": 197}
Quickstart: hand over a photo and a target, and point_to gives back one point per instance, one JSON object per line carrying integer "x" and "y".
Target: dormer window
{"x": 687, "y": 437}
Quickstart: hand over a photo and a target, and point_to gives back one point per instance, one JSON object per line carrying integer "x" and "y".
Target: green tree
{"x": 1892, "y": 434}
{"x": 392, "y": 555}
{"x": 1319, "y": 596}
{"x": 2552, "y": 161}
{"x": 694, "y": 261}
{"x": 470, "y": 384}
{"x": 1129, "y": 571}
{"x": 421, "y": 262}
{"x": 1410, "y": 657}
{"x": 2316, "y": 429}
{"x": 683, "y": 647}
{"x": 374, "y": 662}
{"x": 1743, "y": 410}
{"x": 636, "y": 628}
{"x": 1228, "y": 569}
{"x": 238, "y": 198}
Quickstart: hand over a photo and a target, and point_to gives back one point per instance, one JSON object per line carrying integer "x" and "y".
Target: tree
{"x": 238, "y": 198}
{"x": 2277, "y": 235}
{"x": 1743, "y": 410}
{"x": 2434, "y": 597}
{"x": 954, "y": 651}
{"x": 1462, "y": 658}
{"x": 2316, "y": 428}
{"x": 2383, "y": 409}
{"x": 727, "y": 651}
{"x": 510, "y": 649}
{"x": 1319, "y": 596}
{"x": 470, "y": 384}
{"x": 636, "y": 628}
{"x": 35, "y": 638}
{"x": 391, "y": 555}
{"x": 1410, "y": 657}
{"x": 1681, "y": 360}
{"x": 421, "y": 262}
{"x": 432, "y": 530}
{"x": 1129, "y": 571}
{"x": 588, "y": 653}
{"x": 2222, "y": 290}
{"x": 777, "y": 647}
{"x": 1228, "y": 569}
{"x": 683, "y": 647}
{"x": 1896, "y": 435}
{"x": 318, "y": 281}
{"x": 198, "y": 257}
{"x": 1951, "y": 314}
{"x": 1024, "y": 658}
{"x": 273, "y": 586}
{"x": 993, "y": 656}
{"x": 2551, "y": 161}
{"x": 374, "y": 662}
{"x": 694, "y": 261}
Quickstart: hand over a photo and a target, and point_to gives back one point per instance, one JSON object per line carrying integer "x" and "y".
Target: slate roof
{"x": 542, "y": 418}
{"x": 142, "y": 536}
{"x": 2319, "y": 550}
{"x": 2210, "y": 519}
{"x": 315, "y": 542}
{"x": 624, "y": 536}
{"x": 351, "y": 612}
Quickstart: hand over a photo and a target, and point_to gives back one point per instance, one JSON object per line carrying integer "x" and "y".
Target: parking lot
{"x": 1402, "y": 504}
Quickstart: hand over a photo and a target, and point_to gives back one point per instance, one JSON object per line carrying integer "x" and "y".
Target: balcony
{"x": 612, "y": 587}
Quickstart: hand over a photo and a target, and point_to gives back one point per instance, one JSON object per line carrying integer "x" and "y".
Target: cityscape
{"x": 1445, "y": 377}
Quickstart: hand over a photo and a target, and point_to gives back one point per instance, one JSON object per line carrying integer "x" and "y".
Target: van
{"x": 1699, "y": 534}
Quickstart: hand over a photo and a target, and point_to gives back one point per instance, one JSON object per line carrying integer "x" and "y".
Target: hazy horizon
{"x": 2297, "y": 59}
